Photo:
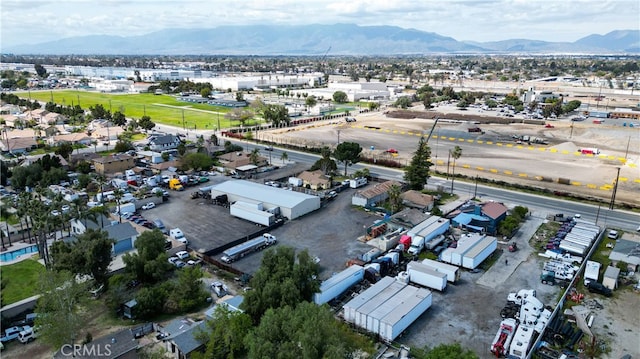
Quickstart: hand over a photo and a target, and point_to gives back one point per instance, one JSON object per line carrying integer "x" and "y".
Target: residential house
{"x": 18, "y": 145}
{"x": 180, "y": 337}
{"x": 113, "y": 164}
{"x": 232, "y": 304}
{"x": 483, "y": 217}
{"x": 418, "y": 200}
{"x": 79, "y": 226}
{"x": 9, "y": 109}
{"x": 107, "y": 133}
{"x": 37, "y": 114}
{"x": 124, "y": 237}
{"x": 78, "y": 137}
{"x": 234, "y": 160}
{"x": 496, "y": 212}
{"x": 52, "y": 118}
{"x": 10, "y": 120}
{"x": 119, "y": 345}
{"x": 626, "y": 249}
{"x": 373, "y": 196}
{"x": 315, "y": 180}
{"x": 163, "y": 142}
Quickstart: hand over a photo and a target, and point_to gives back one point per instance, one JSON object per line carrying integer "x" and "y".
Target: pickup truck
{"x": 11, "y": 334}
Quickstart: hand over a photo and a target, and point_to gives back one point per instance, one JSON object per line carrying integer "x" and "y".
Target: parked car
{"x": 179, "y": 264}
{"x": 595, "y": 287}
{"x": 158, "y": 223}
{"x": 350, "y": 119}
{"x": 182, "y": 254}
{"x": 149, "y": 205}
{"x": 220, "y": 289}
{"x": 27, "y": 334}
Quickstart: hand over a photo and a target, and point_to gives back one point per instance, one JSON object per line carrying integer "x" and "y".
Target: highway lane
{"x": 538, "y": 204}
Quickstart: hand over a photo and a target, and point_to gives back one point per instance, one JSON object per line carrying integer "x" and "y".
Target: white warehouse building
{"x": 292, "y": 204}
{"x": 264, "y": 81}
{"x": 355, "y": 90}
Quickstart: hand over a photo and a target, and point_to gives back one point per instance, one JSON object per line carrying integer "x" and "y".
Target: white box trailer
{"x": 434, "y": 242}
{"x": 588, "y": 235}
{"x": 583, "y": 233}
{"x": 405, "y": 314}
{"x": 578, "y": 241}
{"x": 479, "y": 252}
{"x": 373, "y": 319}
{"x": 573, "y": 248}
{"x": 351, "y": 308}
{"x": 521, "y": 341}
{"x": 452, "y": 272}
{"x": 591, "y": 272}
{"x": 583, "y": 221}
{"x": 592, "y": 231}
{"x": 375, "y": 302}
{"x": 587, "y": 227}
{"x": 252, "y": 214}
{"x": 423, "y": 275}
{"x": 338, "y": 284}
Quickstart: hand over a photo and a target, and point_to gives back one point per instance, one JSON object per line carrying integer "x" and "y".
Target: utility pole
{"x": 626, "y": 152}
{"x": 615, "y": 189}
{"x": 183, "y": 120}
{"x": 475, "y": 191}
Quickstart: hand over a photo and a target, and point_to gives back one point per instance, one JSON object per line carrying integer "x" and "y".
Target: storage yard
{"x": 456, "y": 291}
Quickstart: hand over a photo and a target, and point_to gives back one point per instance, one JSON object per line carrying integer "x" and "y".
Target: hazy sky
{"x": 35, "y": 21}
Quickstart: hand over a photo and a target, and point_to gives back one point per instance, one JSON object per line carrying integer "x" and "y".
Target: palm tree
{"x": 117, "y": 193}
{"x": 455, "y": 153}
{"x": 395, "y": 201}
{"x": 254, "y": 156}
{"x": 284, "y": 156}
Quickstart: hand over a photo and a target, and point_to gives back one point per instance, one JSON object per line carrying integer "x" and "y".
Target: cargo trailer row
{"x": 452, "y": 272}
{"x": 425, "y": 276}
{"x": 387, "y": 308}
{"x": 338, "y": 284}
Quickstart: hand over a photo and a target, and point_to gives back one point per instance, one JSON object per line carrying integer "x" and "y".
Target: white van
{"x": 177, "y": 234}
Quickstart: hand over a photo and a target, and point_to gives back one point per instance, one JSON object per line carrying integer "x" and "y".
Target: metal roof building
{"x": 292, "y": 204}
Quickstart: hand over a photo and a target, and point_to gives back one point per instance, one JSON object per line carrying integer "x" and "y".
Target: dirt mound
{"x": 566, "y": 146}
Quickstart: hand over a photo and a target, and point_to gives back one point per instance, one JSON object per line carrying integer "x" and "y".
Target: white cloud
{"x": 32, "y": 21}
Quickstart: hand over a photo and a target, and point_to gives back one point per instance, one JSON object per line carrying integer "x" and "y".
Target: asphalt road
{"x": 616, "y": 218}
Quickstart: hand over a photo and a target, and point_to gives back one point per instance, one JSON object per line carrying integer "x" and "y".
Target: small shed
{"x": 128, "y": 309}
{"x": 610, "y": 279}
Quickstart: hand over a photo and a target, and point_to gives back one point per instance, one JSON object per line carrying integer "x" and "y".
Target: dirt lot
{"x": 495, "y": 155}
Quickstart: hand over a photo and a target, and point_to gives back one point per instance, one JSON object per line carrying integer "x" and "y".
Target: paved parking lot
{"x": 205, "y": 225}
{"x": 329, "y": 233}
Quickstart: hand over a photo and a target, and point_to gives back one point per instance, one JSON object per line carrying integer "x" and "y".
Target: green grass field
{"x": 20, "y": 280}
{"x": 163, "y": 109}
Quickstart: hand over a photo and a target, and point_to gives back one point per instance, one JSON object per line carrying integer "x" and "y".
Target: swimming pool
{"x": 9, "y": 256}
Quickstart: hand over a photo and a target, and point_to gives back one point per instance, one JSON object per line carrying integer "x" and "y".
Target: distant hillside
{"x": 344, "y": 39}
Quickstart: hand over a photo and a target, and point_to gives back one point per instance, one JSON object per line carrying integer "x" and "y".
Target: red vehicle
{"x": 392, "y": 150}
{"x": 548, "y": 125}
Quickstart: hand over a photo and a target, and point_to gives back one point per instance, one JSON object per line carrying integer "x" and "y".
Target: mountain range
{"x": 337, "y": 39}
